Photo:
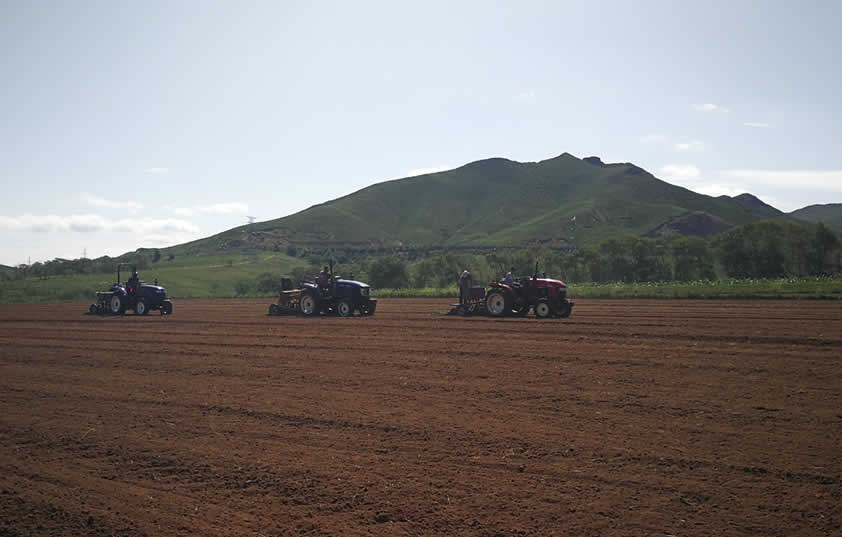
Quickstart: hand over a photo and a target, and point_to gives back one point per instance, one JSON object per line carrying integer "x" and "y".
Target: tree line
{"x": 766, "y": 249}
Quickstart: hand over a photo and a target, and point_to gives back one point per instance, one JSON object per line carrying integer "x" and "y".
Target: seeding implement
{"x": 134, "y": 294}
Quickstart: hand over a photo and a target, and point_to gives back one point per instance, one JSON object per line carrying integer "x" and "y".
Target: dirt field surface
{"x": 629, "y": 418}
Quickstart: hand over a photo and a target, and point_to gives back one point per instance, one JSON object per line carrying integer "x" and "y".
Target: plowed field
{"x": 629, "y": 418}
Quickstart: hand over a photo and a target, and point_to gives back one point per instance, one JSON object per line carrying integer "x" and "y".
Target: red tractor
{"x": 547, "y": 297}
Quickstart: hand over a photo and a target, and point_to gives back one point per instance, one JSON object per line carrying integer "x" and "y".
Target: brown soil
{"x": 629, "y": 418}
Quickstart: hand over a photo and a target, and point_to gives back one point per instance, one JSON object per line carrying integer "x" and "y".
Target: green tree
{"x": 388, "y": 272}
{"x": 823, "y": 244}
{"x": 266, "y": 282}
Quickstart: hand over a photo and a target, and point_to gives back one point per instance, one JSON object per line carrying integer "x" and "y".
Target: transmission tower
{"x": 251, "y": 219}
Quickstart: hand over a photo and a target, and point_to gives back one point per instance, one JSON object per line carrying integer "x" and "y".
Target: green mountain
{"x": 497, "y": 202}
{"x": 830, "y": 214}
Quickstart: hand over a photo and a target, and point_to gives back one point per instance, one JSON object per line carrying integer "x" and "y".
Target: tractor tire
{"x": 166, "y": 307}
{"x": 94, "y": 309}
{"x": 116, "y": 305}
{"x": 564, "y": 310}
{"x": 274, "y": 309}
{"x": 141, "y": 308}
{"x": 542, "y": 309}
{"x": 308, "y": 305}
{"x": 497, "y": 303}
{"x": 366, "y": 309}
{"x": 344, "y": 308}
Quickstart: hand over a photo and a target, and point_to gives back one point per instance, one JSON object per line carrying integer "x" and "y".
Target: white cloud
{"x": 653, "y": 138}
{"x": 157, "y": 171}
{"x": 694, "y": 145}
{"x": 425, "y": 171}
{"x": 680, "y": 173}
{"x": 163, "y": 225}
{"x": 95, "y": 201}
{"x": 825, "y": 181}
{"x": 216, "y": 208}
{"x": 710, "y": 107}
{"x": 524, "y": 96}
{"x": 758, "y": 125}
{"x": 89, "y": 223}
{"x": 165, "y": 239}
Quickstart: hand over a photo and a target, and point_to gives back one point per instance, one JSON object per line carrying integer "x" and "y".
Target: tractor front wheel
{"x": 344, "y": 308}
{"x": 497, "y": 303}
{"x": 115, "y": 305}
{"x": 141, "y": 308}
{"x": 166, "y": 307}
{"x": 273, "y": 309}
{"x": 308, "y": 305}
{"x": 564, "y": 310}
{"x": 93, "y": 310}
{"x": 542, "y": 309}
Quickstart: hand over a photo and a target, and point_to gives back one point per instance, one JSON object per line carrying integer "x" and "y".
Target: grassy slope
{"x": 487, "y": 203}
{"x": 186, "y": 277}
{"x": 830, "y": 214}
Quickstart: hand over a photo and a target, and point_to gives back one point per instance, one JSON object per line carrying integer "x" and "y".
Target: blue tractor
{"x": 134, "y": 295}
{"x": 331, "y": 296}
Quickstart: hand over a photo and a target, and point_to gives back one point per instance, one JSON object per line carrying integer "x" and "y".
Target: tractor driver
{"x": 510, "y": 277}
{"x": 133, "y": 281}
{"x": 323, "y": 279}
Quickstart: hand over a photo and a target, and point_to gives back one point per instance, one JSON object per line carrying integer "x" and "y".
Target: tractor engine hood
{"x": 552, "y": 283}
{"x": 352, "y": 282}
{"x": 153, "y": 289}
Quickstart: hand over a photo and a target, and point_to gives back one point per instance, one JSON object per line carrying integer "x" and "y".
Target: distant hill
{"x": 830, "y": 214}
{"x": 496, "y": 202}
{"x": 756, "y": 206}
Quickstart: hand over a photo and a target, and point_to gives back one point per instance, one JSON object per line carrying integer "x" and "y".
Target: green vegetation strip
{"x": 779, "y": 288}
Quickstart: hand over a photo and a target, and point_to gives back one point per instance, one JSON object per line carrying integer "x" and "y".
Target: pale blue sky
{"x": 128, "y": 124}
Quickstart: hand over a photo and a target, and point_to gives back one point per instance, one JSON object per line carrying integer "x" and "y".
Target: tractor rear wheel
{"x": 542, "y": 309}
{"x": 344, "y": 308}
{"x": 308, "y": 304}
{"x": 141, "y": 308}
{"x": 497, "y": 303}
{"x": 115, "y": 305}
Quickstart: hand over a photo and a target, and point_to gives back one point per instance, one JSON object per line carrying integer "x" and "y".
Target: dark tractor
{"x": 547, "y": 297}
{"x": 134, "y": 295}
{"x": 334, "y": 296}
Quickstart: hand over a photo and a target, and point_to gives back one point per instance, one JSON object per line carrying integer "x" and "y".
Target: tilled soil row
{"x": 629, "y": 418}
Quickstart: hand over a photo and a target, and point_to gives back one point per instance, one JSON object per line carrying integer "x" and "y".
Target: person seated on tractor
{"x": 131, "y": 285}
{"x": 323, "y": 279}
{"x": 510, "y": 277}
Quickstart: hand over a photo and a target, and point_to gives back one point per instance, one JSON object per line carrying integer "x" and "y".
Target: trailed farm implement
{"x": 545, "y": 296}
{"x": 331, "y": 296}
{"x": 134, "y": 294}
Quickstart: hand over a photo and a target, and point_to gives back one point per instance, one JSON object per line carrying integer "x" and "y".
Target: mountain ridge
{"x": 495, "y": 202}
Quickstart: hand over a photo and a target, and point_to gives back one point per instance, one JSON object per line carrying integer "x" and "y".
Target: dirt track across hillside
{"x": 629, "y": 418}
